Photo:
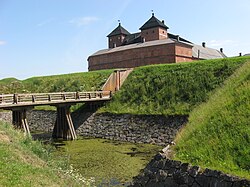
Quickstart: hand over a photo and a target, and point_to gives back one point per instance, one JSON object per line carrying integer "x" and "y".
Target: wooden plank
{"x": 71, "y": 127}
{"x": 48, "y": 98}
{"x": 27, "y": 126}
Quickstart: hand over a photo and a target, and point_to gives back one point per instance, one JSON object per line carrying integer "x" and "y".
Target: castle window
{"x": 110, "y": 39}
{"x": 153, "y": 31}
{"x": 162, "y": 31}
{"x": 118, "y": 37}
{"x": 146, "y": 32}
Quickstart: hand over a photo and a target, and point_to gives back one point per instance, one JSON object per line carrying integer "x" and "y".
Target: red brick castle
{"x": 153, "y": 45}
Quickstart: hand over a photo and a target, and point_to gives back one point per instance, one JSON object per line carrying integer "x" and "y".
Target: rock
{"x": 193, "y": 171}
{"x": 180, "y": 177}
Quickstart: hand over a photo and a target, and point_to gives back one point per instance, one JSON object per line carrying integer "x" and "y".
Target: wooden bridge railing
{"x": 47, "y": 98}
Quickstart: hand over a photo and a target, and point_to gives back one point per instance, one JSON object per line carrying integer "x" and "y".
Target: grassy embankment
{"x": 174, "y": 89}
{"x": 24, "y": 162}
{"x": 216, "y": 95}
{"x": 87, "y": 81}
{"x": 218, "y": 133}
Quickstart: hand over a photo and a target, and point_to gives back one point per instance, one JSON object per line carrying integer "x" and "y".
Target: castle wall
{"x": 157, "y": 54}
{"x": 182, "y": 54}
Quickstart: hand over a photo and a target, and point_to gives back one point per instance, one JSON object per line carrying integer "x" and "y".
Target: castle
{"x": 153, "y": 45}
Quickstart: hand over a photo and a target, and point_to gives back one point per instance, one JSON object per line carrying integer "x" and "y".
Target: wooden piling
{"x": 64, "y": 127}
{"x": 19, "y": 120}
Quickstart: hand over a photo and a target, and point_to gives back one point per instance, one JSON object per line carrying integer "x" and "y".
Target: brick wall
{"x": 116, "y": 40}
{"x": 182, "y": 54}
{"x": 158, "y": 54}
{"x": 154, "y": 34}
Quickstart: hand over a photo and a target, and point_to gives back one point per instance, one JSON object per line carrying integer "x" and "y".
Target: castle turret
{"x": 154, "y": 29}
{"x": 117, "y": 36}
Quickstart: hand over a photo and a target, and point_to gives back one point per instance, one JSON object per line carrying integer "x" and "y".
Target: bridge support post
{"x": 19, "y": 120}
{"x": 64, "y": 127}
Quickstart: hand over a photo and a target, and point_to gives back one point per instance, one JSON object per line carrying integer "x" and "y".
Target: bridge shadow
{"x": 83, "y": 113}
{"x": 78, "y": 117}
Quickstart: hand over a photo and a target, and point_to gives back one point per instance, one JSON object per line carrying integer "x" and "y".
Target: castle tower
{"x": 117, "y": 36}
{"x": 154, "y": 29}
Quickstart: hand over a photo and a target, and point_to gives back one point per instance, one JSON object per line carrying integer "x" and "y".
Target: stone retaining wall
{"x": 159, "y": 130}
{"x": 163, "y": 172}
{"x": 41, "y": 121}
{"x": 38, "y": 120}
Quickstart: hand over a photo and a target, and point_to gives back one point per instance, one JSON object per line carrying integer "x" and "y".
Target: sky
{"x": 49, "y": 37}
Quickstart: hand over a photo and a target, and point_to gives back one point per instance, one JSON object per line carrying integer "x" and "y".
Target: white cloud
{"x": 2, "y": 42}
{"x": 45, "y": 22}
{"x": 83, "y": 20}
{"x": 220, "y": 43}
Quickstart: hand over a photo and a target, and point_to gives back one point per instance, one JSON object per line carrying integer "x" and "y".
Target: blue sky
{"x": 47, "y": 37}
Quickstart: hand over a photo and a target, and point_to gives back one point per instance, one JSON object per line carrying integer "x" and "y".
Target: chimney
{"x": 178, "y": 38}
{"x": 221, "y": 50}
{"x": 203, "y": 44}
{"x": 163, "y": 21}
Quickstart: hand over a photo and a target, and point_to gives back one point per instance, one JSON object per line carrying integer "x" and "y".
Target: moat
{"x": 110, "y": 163}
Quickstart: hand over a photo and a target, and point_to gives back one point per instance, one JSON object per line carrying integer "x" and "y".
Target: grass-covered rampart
{"x": 87, "y": 81}
{"x": 172, "y": 89}
{"x": 218, "y": 133}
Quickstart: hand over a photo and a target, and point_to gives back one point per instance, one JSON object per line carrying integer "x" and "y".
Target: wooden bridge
{"x": 64, "y": 128}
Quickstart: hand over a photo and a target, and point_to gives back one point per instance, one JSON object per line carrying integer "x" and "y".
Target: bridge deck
{"x": 11, "y": 101}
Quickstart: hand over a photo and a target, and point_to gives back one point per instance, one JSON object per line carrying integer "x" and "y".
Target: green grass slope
{"x": 86, "y": 81}
{"x": 172, "y": 89}
{"x": 24, "y": 162}
{"x": 218, "y": 133}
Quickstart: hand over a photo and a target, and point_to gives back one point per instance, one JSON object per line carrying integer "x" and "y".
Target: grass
{"x": 218, "y": 132}
{"x": 108, "y": 161}
{"x": 172, "y": 89}
{"x": 87, "y": 81}
{"x": 24, "y": 162}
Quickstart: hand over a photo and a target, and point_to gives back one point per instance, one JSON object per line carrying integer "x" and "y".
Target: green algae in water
{"x": 107, "y": 160}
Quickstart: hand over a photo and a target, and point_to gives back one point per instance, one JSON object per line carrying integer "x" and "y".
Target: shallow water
{"x": 111, "y": 163}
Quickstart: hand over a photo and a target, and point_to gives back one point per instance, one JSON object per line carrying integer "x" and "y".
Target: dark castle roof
{"x": 136, "y": 38}
{"x": 132, "y": 38}
{"x": 119, "y": 30}
{"x": 153, "y": 22}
